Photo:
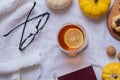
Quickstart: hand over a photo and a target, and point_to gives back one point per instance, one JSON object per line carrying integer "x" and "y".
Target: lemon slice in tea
{"x": 74, "y": 38}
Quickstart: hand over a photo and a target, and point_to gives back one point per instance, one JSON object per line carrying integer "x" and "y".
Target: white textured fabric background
{"x": 13, "y": 12}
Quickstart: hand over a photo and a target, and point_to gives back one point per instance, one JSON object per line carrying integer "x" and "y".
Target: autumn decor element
{"x": 58, "y": 4}
{"x": 94, "y": 8}
{"x": 111, "y": 71}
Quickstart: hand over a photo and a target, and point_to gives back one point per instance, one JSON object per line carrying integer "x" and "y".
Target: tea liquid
{"x": 62, "y": 33}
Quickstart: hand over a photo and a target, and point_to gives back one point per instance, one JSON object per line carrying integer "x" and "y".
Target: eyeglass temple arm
{"x": 24, "y": 23}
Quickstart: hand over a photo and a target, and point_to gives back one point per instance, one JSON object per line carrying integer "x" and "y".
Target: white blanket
{"x": 54, "y": 62}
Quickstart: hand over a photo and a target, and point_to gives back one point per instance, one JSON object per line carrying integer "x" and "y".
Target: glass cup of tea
{"x": 72, "y": 39}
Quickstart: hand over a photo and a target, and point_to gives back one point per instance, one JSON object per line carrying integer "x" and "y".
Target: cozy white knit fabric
{"x": 52, "y": 62}
{"x": 12, "y": 60}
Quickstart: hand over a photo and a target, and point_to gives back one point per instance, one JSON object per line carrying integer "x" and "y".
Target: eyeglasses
{"x": 24, "y": 43}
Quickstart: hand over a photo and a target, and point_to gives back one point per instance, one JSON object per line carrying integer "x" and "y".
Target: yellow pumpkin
{"x": 94, "y": 8}
{"x": 111, "y": 71}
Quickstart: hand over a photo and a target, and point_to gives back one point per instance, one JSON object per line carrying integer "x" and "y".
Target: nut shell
{"x": 111, "y": 51}
{"x": 119, "y": 55}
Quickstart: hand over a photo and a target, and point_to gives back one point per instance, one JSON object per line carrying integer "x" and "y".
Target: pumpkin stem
{"x": 115, "y": 76}
{"x": 95, "y": 1}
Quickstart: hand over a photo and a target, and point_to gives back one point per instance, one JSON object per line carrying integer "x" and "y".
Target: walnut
{"x": 111, "y": 51}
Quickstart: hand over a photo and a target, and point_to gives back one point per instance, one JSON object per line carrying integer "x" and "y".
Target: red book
{"x": 83, "y": 74}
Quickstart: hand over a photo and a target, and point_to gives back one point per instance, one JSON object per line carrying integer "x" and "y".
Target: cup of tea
{"x": 72, "y": 39}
